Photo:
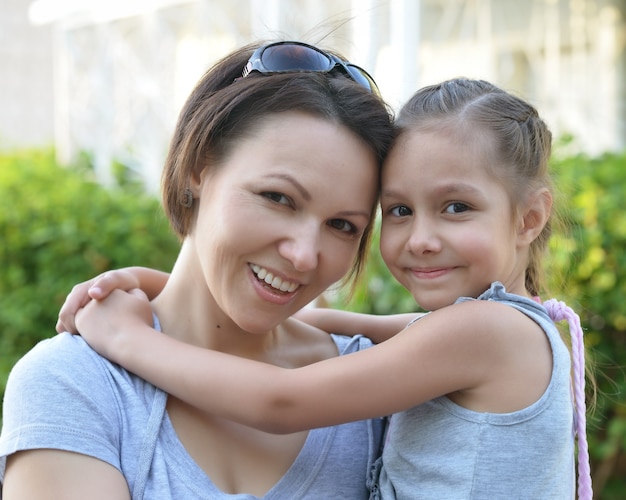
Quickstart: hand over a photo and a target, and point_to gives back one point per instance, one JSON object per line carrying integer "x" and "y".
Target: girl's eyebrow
{"x": 456, "y": 187}
{"x": 389, "y": 193}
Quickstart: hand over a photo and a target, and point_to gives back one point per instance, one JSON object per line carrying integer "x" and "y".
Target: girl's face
{"x": 280, "y": 220}
{"x": 447, "y": 223}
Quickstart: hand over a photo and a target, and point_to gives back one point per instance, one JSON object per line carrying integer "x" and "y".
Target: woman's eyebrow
{"x": 286, "y": 177}
{"x": 307, "y": 196}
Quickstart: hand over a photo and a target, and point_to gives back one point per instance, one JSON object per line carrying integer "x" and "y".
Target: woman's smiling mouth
{"x": 274, "y": 281}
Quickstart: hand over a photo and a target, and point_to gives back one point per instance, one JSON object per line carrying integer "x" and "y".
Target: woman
{"x": 271, "y": 182}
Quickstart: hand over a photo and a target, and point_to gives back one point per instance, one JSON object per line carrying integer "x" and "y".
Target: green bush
{"x": 58, "y": 227}
{"x": 590, "y": 263}
{"x": 587, "y": 270}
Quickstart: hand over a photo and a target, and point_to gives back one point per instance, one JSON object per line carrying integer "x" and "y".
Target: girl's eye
{"x": 400, "y": 211}
{"x": 456, "y": 208}
{"x": 343, "y": 225}
{"x": 276, "y": 197}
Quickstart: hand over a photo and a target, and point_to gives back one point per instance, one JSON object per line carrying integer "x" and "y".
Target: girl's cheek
{"x": 389, "y": 250}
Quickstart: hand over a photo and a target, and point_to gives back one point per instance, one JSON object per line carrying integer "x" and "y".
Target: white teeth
{"x": 273, "y": 281}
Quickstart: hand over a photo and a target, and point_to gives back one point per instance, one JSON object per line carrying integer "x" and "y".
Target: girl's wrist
{"x": 128, "y": 345}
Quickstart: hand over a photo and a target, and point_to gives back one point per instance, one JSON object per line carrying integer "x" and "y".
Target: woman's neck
{"x": 188, "y": 312}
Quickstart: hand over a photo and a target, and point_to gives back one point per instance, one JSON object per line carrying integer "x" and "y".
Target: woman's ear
{"x": 196, "y": 180}
{"x": 535, "y": 216}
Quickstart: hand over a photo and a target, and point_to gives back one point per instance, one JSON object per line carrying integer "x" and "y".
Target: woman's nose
{"x": 302, "y": 247}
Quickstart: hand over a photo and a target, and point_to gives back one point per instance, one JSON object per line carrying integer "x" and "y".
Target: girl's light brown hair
{"x": 521, "y": 139}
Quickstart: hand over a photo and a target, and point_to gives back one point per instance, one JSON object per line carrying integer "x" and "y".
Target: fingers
{"x": 60, "y": 327}
{"x": 77, "y": 298}
{"x": 97, "y": 288}
{"x": 138, "y": 292}
{"x": 104, "y": 284}
{"x": 117, "y": 312}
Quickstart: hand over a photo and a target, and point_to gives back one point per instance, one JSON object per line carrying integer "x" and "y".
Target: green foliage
{"x": 586, "y": 269}
{"x": 58, "y": 227}
{"x": 377, "y": 291}
{"x": 591, "y": 262}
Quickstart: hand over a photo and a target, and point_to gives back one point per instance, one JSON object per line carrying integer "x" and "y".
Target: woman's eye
{"x": 276, "y": 197}
{"x": 456, "y": 208}
{"x": 400, "y": 211}
{"x": 343, "y": 225}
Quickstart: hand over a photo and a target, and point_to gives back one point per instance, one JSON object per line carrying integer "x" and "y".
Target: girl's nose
{"x": 423, "y": 238}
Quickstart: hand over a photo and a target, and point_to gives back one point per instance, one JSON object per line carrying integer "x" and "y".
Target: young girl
{"x": 479, "y": 388}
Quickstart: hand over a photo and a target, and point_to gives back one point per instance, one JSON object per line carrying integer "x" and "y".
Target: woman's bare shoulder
{"x": 303, "y": 344}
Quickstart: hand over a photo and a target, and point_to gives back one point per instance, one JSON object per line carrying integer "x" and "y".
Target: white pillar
{"x": 405, "y": 21}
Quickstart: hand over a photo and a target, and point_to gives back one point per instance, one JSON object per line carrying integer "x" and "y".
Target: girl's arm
{"x": 378, "y": 328}
{"x": 52, "y": 474}
{"x": 149, "y": 280}
{"x": 446, "y": 351}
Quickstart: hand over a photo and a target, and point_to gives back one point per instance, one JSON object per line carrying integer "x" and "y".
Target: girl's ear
{"x": 535, "y": 216}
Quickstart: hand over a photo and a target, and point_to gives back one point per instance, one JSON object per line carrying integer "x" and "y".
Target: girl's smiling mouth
{"x": 429, "y": 273}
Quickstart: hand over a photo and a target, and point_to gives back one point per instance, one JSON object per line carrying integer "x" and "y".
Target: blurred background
{"x": 90, "y": 91}
{"x": 109, "y": 77}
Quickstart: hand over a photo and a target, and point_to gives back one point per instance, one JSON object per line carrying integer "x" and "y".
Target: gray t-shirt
{"x": 442, "y": 450}
{"x": 62, "y": 395}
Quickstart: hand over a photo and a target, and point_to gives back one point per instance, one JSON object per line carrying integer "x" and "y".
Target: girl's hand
{"x": 95, "y": 288}
{"x": 104, "y": 324}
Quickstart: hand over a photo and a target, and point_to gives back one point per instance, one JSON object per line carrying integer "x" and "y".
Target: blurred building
{"x": 122, "y": 68}
{"x": 26, "y": 87}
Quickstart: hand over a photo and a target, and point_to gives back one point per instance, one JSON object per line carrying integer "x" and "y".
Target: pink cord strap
{"x": 559, "y": 311}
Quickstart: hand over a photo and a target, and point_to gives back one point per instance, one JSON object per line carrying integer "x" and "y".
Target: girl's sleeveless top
{"x": 442, "y": 450}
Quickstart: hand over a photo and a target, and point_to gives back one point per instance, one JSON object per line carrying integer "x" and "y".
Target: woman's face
{"x": 281, "y": 218}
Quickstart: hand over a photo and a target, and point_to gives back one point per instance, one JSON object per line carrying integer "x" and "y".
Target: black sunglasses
{"x": 289, "y": 57}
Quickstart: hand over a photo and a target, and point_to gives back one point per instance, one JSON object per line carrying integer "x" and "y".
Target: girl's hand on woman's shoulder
{"x": 96, "y": 288}
{"x": 106, "y": 323}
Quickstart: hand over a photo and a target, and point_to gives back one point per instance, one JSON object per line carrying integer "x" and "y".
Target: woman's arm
{"x": 378, "y": 328}
{"x": 458, "y": 348}
{"x": 149, "y": 280}
{"x": 54, "y": 474}
{"x": 61, "y": 425}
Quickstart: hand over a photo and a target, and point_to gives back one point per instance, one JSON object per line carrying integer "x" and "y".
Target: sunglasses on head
{"x": 290, "y": 57}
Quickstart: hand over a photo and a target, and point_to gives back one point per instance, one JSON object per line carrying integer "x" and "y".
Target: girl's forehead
{"x": 435, "y": 157}
{"x": 468, "y": 144}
